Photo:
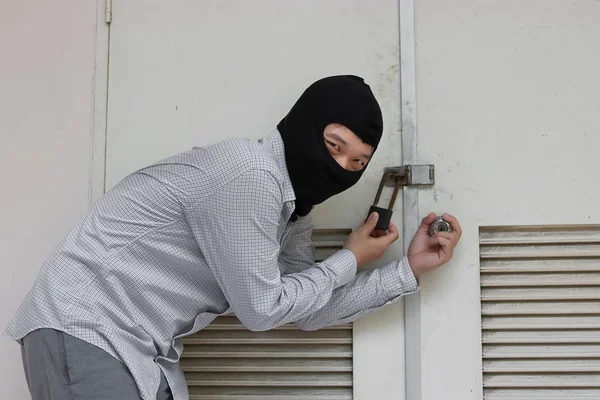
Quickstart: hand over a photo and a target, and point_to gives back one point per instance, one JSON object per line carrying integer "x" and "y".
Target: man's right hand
{"x": 368, "y": 246}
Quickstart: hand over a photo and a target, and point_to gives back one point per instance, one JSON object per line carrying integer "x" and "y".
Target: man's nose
{"x": 344, "y": 161}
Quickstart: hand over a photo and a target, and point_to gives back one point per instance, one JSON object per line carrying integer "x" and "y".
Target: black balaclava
{"x": 314, "y": 173}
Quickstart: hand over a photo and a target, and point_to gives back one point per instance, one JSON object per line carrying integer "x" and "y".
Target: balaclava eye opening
{"x": 315, "y": 175}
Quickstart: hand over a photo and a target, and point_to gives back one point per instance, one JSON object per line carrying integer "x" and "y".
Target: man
{"x": 220, "y": 229}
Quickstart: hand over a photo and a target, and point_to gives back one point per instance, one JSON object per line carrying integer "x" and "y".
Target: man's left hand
{"x": 429, "y": 252}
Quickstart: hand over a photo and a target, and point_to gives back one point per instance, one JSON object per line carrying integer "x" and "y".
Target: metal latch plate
{"x": 410, "y": 175}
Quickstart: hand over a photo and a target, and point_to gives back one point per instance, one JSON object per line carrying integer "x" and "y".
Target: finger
{"x": 447, "y": 235}
{"x": 380, "y": 232}
{"x": 385, "y": 240}
{"x": 425, "y": 222}
{"x": 377, "y": 233}
{"x": 445, "y": 251}
{"x": 370, "y": 223}
{"x": 444, "y": 242}
{"x": 393, "y": 229}
{"x": 453, "y": 223}
{"x": 439, "y": 240}
{"x": 391, "y": 236}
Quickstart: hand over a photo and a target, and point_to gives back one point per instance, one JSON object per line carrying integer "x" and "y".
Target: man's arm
{"x": 367, "y": 292}
{"x": 298, "y": 252}
{"x": 236, "y": 229}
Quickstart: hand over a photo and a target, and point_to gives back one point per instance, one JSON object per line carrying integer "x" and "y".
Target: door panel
{"x": 191, "y": 73}
{"x": 508, "y": 97}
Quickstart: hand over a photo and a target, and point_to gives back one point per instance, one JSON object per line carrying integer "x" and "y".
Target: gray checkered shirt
{"x": 192, "y": 237}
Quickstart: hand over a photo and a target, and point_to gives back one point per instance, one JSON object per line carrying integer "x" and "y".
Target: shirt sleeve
{"x": 366, "y": 293}
{"x": 237, "y": 230}
{"x": 298, "y": 252}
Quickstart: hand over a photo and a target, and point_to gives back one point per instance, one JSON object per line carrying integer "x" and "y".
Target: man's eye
{"x": 335, "y": 146}
{"x": 361, "y": 162}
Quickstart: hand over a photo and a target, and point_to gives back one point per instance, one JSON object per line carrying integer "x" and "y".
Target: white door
{"x": 508, "y": 100}
{"x": 189, "y": 73}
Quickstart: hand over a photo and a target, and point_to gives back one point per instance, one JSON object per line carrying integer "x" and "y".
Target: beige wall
{"x": 46, "y": 83}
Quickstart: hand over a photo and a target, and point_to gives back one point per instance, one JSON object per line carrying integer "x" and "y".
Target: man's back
{"x": 130, "y": 276}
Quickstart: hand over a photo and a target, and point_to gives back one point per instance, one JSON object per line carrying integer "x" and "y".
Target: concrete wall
{"x": 46, "y": 83}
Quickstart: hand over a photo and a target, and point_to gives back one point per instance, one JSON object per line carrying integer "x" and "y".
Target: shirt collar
{"x": 279, "y": 153}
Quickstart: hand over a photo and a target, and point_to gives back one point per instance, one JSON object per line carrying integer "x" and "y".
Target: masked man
{"x": 219, "y": 229}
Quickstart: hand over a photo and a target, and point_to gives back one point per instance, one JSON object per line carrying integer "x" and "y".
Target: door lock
{"x": 407, "y": 175}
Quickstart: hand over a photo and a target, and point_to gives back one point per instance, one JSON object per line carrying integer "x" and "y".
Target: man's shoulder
{"x": 238, "y": 154}
{"x": 216, "y": 164}
{"x": 200, "y": 171}
{"x": 243, "y": 154}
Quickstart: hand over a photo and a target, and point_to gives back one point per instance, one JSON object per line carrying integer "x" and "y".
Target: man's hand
{"x": 429, "y": 252}
{"x": 368, "y": 244}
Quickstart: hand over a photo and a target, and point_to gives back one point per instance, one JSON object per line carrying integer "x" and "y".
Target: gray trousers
{"x": 59, "y": 366}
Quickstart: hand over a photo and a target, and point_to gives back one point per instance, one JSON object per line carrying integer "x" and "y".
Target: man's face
{"x": 346, "y": 148}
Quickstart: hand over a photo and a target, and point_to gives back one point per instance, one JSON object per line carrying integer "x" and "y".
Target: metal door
{"x": 508, "y": 98}
{"x": 189, "y": 73}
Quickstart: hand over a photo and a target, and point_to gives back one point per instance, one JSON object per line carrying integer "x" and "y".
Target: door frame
{"x": 410, "y": 195}
{"x": 99, "y": 121}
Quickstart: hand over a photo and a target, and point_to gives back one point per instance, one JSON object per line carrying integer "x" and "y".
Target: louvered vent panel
{"x": 227, "y": 361}
{"x": 540, "y": 305}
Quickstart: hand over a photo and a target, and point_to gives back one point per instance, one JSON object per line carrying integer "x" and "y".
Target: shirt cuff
{"x": 343, "y": 265}
{"x": 407, "y": 276}
{"x": 398, "y": 279}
